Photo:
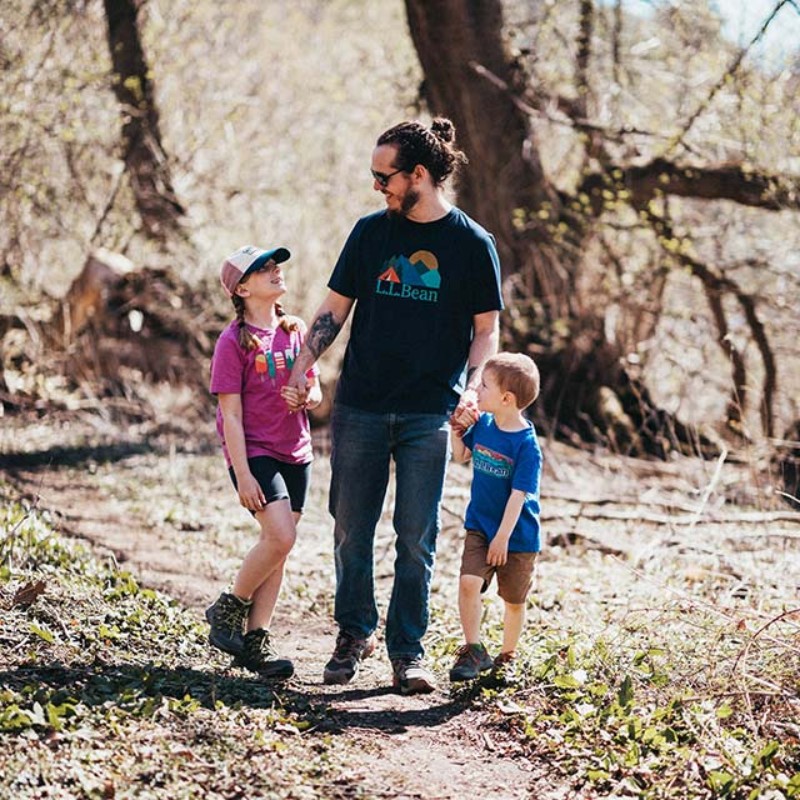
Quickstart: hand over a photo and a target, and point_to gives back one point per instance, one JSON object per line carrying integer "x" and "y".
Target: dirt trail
{"x": 173, "y": 521}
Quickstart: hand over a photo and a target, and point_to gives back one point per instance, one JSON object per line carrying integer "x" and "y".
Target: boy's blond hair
{"x": 515, "y": 373}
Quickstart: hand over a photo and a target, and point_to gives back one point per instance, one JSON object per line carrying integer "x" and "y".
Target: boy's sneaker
{"x": 471, "y": 660}
{"x": 348, "y": 653}
{"x": 260, "y": 656}
{"x": 503, "y": 668}
{"x": 410, "y": 676}
{"x": 226, "y": 617}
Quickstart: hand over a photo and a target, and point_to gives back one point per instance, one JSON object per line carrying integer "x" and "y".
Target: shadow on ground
{"x": 85, "y": 455}
{"x": 142, "y": 689}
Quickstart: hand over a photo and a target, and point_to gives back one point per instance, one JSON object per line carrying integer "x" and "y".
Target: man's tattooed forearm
{"x": 324, "y": 330}
{"x": 470, "y": 372}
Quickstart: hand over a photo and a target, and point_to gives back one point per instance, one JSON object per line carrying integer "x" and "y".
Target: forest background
{"x": 642, "y": 175}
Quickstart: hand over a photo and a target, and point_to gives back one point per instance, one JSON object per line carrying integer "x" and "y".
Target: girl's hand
{"x": 251, "y": 495}
{"x": 295, "y": 397}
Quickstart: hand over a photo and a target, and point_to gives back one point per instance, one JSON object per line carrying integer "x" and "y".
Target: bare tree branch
{"x": 595, "y": 145}
{"x": 615, "y": 40}
{"x": 738, "y": 402}
{"x": 715, "y": 285}
{"x": 539, "y": 106}
{"x": 583, "y": 58}
{"x": 740, "y": 183}
{"x": 737, "y": 182}
{"x": 721, "y": 82}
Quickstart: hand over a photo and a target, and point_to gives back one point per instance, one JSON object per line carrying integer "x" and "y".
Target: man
{"x": 425, "y": 282}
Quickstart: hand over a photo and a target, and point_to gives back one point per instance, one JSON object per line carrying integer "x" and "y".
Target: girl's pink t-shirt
{"x": 258, "y": 375}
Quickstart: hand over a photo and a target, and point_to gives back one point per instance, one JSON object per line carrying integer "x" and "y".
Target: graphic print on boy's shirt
{"x": 415, "y": 277}
{"x": 490, "y": 462}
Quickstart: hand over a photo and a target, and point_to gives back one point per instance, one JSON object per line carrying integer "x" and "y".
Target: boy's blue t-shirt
{"x": 417, "y": 287}
{"x": 503, "y": 461}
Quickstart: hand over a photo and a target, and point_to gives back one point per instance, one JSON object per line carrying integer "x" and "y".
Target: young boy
{"x": 502, "y": 518}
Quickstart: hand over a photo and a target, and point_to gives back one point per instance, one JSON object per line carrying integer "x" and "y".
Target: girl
{"x": 267, "y": 448}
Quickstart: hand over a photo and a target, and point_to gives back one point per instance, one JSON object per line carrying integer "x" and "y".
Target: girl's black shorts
{"x": 279, "y": 480}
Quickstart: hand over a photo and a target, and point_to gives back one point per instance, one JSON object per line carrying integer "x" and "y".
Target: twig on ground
{"x": 746, "y": 649}
{"x": 695, "y": 602}
{"x": 709, "y": 488}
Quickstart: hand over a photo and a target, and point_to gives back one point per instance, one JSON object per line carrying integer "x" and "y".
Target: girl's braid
{"x": 288, "y": 323}
{"x": 246, "y": 339}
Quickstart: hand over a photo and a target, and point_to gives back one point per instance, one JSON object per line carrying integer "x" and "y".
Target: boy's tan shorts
{"x": 514, "y": 578}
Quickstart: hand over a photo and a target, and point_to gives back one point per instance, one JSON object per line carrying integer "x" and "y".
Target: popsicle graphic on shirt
{"x": 271, "y": 368}
{"x": 268, "y": 362}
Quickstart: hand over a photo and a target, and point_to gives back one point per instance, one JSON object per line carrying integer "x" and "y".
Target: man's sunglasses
{"x": 383, "y": 180}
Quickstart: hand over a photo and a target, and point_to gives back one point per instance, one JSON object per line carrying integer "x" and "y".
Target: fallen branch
{"x": 749, "y": 517}
{"x": 572, "y": 537}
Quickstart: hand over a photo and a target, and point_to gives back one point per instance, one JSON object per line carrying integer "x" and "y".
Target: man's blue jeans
{"x": 363, "y": 443}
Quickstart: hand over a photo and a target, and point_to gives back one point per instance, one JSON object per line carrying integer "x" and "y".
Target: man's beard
{"x": 410, "y": 199}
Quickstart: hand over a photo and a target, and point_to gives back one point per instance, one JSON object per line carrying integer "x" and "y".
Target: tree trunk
{"x": 458, "y": 41}
{"x": 586, "y": 390}
{"x": 145, "y": 159}
{"x": 787, "y": 461}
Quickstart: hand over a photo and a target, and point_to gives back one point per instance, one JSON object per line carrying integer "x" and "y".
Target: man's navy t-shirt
{"x": 417, "y": 287}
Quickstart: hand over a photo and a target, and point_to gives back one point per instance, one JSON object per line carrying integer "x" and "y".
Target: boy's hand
{"x": 458, "y": 429}
{"x": 466, "y": 413}
{"x": 498, "y": 552}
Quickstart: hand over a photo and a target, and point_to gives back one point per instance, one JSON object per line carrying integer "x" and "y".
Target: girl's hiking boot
{"x": 348, "y": 653}
{"x": 471, "y": 660}
{"x": 258, "y": 655}
{"x": 227, "y": 617}
{"x": 411, "y": 676}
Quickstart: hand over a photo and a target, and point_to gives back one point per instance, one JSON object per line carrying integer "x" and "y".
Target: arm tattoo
{"x": 470, "y": 372}
{"x": 322, "y": 333}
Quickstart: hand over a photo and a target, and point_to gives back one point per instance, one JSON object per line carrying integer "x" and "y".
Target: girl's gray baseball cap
{"x": 245, "y": 260}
